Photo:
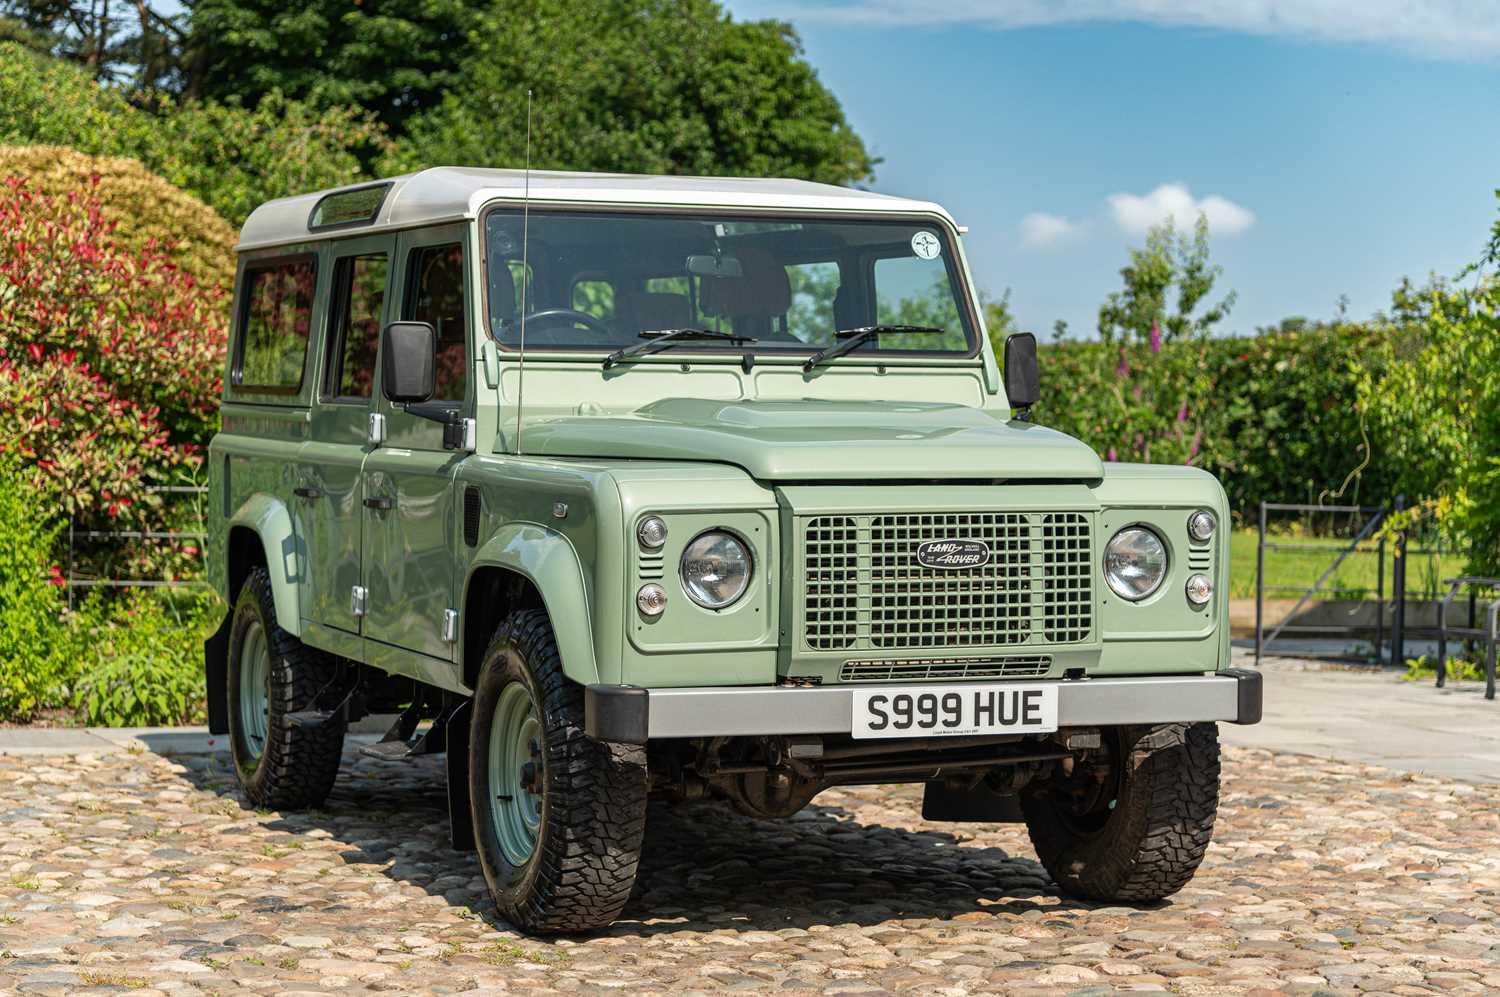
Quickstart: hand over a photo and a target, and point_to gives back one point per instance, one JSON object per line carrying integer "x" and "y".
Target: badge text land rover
{"x": 674, "y": 487}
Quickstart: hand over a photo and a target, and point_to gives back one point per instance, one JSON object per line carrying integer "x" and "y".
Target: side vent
{"x": 652, "y": 567}
{"x": 471, "y": 516}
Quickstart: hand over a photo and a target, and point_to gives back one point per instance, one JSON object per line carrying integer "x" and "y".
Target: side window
{"x": 275, "y": 321}
{"x": 593, "y": 296}
{"x": 358, "y": 299}
{"x": 435, "y": 294}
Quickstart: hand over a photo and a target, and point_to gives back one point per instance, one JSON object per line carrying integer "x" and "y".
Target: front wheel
{"x": 1132, "y": 823}
{"x": 558, "y": 816}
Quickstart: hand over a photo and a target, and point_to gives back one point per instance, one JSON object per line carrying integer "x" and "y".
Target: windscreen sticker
{"x": 926, "y": 245}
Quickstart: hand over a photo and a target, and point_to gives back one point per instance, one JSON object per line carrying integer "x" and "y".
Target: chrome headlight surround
{"x": 1136, "y": 562}
{"x": 716, "y": 568}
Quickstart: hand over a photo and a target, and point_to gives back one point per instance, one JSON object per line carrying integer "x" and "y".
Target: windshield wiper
{"x": 853, "y": 339}
{"x": 664, "y": 339}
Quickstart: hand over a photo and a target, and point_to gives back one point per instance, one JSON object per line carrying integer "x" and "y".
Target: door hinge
{"x": 377, "y": 428}
{"x": 450, "y": 626}
{"x": 357, "y": 600}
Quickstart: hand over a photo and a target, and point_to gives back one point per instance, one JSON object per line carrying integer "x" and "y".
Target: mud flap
{"x": 460, "y": 812}
{"x": 981, "y": 804}
{"x": 216, "y": 674}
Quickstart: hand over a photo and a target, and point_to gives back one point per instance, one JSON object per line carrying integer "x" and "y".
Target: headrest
{"x": 763, "y": 291}
{"x": 651, "y": 310}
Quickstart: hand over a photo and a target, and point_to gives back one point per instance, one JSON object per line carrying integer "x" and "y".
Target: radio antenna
{"x": 525, "y": 271}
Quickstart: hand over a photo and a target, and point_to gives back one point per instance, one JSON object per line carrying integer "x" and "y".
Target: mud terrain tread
{"x": 1153, "y": 844}
{"x": 590, "y": 843}
{"x": 299, "y": 764}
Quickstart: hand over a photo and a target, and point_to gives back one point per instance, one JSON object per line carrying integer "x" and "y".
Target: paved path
{"x": 1375, "y": 717}
{"x": 123, "y": 872}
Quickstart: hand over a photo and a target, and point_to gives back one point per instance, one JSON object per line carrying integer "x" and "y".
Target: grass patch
{"x": 114, "y": 980}
{"x": 506, "y": 952}
{"x": 1356, "y": 578}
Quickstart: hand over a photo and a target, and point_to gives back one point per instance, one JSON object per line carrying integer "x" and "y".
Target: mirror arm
{"x": 450, "y": 417}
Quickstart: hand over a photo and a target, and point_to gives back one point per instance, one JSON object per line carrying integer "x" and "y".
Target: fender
{"x": 267, "y": 516}
{"x": 547, "y": 560}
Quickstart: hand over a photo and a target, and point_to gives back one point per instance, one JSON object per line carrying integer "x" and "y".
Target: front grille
{"x": 923, "y": 669}
{"x": 866, "y": 589}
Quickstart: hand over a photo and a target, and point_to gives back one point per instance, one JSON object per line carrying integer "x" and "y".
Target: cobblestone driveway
{"x": 121, "y": 872}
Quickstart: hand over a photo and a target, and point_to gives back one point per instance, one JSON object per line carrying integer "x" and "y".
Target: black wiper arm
{"x": 657, "y": 340}
{"x": 853, "y": 339}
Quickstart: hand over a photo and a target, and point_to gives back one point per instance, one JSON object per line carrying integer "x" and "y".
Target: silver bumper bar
{"x": 632, "y": 715}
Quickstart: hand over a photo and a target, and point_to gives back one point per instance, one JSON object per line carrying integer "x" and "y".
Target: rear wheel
{"x": 1133, "y": 823}
{"x": 271, "y": 675}
{"x": 558, "y": 816}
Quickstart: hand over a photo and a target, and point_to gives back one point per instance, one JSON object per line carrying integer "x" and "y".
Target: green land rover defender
{"x": 621, "y": 487}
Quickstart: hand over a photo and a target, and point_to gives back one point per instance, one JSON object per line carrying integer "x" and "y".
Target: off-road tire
{"x": 593, "y": 807}
{"x": 297, "y": 767}
{"x": 1149, "y": 845}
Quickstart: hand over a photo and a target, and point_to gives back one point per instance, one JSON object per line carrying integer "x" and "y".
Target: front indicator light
{"x": 1201, "y": 525}
{"x": 1199, "y": 590}
{"x": 715, "y": 569}
{"x": 651, "y": 599}
{"x": 652, "y": 533}
{"x": 1135, "y": 563}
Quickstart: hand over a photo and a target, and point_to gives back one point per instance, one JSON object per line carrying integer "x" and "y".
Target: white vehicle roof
{"x": 450, "y": 193}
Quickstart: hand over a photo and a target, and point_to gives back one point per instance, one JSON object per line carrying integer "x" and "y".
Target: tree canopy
{"x": 639, "y": 86}
{"x": 1169, "y": 261}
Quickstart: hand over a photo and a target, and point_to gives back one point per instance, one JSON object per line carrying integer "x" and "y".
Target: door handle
{"x": 307, "y": 492}
{"x": 382, "y": 503}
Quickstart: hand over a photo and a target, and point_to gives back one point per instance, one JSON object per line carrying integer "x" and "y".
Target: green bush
{"x": 35, "y": 666}
{"x": 1273, "y": 416}
{"x": 146, "y": 659}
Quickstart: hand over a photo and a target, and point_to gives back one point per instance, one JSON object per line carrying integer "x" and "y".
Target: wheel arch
{"x": 529, "y": 566}
{"x": 260, "y": 533}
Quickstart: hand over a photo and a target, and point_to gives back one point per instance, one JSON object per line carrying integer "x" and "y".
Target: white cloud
{"x": 1135, "y": 214}
{"x": 1040, "y": 230}
{"x": 1462, "y": 28}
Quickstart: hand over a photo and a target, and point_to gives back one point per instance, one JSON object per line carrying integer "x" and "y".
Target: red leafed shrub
{"x": 110, "y": 359}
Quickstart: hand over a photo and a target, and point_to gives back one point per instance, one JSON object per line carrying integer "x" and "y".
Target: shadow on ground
{"x": 704, "y": 868}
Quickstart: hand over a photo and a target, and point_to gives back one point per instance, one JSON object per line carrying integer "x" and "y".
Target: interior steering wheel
{"x": 552, "y": 315}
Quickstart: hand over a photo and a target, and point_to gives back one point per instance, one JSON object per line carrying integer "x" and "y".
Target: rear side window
{"x": 358, "y": 300}
{"x": 275, "y": 322}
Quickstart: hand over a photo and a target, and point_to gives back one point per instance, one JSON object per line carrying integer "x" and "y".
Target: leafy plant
{"x": 1170, "y": 261}
{"x": 35, "y": 668}
{"x": 1424, "y": 669}
{"x": 146, "y": 662}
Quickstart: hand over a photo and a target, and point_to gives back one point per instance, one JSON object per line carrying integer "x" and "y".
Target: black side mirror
{"x": 1022, "y": 376}
{"x": 408, "y": 362}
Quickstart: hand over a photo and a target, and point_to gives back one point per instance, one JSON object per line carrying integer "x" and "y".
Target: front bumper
{"x": 632, "y": 715}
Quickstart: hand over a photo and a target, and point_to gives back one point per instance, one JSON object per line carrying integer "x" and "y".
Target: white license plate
{"x": 935, "y": 710}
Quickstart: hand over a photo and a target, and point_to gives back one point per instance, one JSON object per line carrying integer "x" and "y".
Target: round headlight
{"x": 715, "y": 569}
{"x": 1135, "y": 563}
{"x": 651, "y": 599}
{"x": 652, "y": 532}
{"x": 1201, "y": 525}
{"x": 1199, "y": 590}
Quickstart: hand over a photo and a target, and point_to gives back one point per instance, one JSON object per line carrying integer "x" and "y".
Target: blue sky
{"x": 1336, "y": 145}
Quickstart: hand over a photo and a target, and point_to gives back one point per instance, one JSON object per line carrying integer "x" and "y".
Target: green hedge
{"x": 1273, "y": 416}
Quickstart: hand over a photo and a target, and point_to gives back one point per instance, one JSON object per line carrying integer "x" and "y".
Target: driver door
{"x": 409, "y": 510}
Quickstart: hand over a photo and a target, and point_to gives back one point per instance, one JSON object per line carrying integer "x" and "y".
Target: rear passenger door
{"x": 330, "y": 482}
{"x": 409, "y": 514}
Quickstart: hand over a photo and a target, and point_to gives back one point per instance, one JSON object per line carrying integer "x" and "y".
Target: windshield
{"x": 599, "y": 280}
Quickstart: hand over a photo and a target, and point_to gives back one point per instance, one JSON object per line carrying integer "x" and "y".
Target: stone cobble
{"x": 137, "y": 873}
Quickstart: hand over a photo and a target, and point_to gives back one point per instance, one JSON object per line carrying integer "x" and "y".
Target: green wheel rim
{"x": 516, "y": 773}
{"x": 255, "y": 688}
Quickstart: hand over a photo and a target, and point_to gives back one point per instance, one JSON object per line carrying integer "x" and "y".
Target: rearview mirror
{"x": 1022, "y": 375}
{"x": 714, "y": 266}
{"x": 408, "y": 362}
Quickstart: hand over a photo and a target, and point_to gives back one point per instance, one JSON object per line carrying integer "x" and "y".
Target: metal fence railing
{"x": 78, "y": 537}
